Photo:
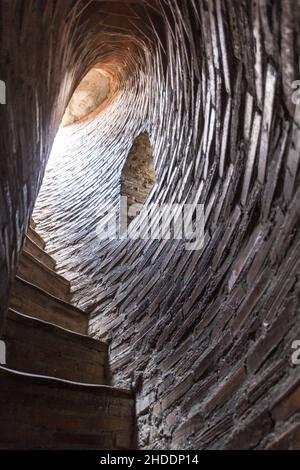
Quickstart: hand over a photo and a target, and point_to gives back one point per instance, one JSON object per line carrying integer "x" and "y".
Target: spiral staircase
{"x": 55, "y": 390}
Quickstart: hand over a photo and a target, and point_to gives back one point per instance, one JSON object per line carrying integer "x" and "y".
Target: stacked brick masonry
{"x": 205, "y": 337}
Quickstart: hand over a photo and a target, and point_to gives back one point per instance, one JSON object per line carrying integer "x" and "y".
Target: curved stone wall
{"x": 205, "y": 337}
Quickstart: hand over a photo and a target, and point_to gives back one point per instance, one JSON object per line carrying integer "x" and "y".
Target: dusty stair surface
{"x": 55, "y": 391}
{"x": 46, "y": 413}
{"x": 42, "y": 276}
{"x": 33, "y": 301}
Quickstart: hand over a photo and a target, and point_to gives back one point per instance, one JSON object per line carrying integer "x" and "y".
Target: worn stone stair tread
{"x": 34, "y": 236}
{"x": 56, "y": 381}
{"x": 94, "y": 343}
{"x": 43, "y": 348}
{"x": 37, "y": 273}
{"x": 41, "y": 255}
{"x": 52, "y": 413}
{"x": 26, "y": 296}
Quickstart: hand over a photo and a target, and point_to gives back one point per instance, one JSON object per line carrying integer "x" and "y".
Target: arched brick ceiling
{"x": 205, "y": 336}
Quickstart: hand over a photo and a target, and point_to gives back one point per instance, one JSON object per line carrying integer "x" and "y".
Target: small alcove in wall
{"x": 138, "y": 175}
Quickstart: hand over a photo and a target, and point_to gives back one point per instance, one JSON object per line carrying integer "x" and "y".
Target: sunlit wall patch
{"x": 92, "y": 91}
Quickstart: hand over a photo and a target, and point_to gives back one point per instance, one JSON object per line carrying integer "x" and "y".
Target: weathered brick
{"x": 213, "y": 432}
{"x": 188, "y": 428}
{"x": 175, "y": 356}
{"x": 287, "y": 403}
{"x": 225, "y": 390}
{"x": 203, "y": 364}
{"x": 176, "y": 392}
{"x": 250, "y": 300}
{"x": 260, "y": 385}
{"x": 270, "y": 341}
{"x": 143, "y": 403}
{"x": 289, "y": 440}
{"x": 250, "y": 433}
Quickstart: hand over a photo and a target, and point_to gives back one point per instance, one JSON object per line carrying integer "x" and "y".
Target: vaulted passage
{"x": 166, "y": 102}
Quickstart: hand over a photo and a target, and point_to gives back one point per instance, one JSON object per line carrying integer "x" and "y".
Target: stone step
{"x": 38, "y": 253}
{"x": 41, "y": 348}
{"x": 35, "y": 237}
{"x": 32, "y": 223}
{"x": 40, "y": 275}
{"x": 35, "y": 302}
{"x": 56, "y": 414}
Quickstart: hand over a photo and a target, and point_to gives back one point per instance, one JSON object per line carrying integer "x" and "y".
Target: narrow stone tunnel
{"x": 204, "y": 338}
